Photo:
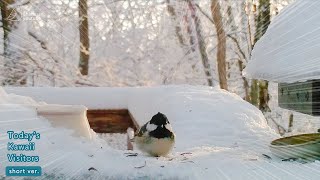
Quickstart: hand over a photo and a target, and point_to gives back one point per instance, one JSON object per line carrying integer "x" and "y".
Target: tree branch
{"x": 228, "y": 35}
{"x": 42, "y": 43}
{"x": 238, "y": 46}
{"x": 205, "y": 14}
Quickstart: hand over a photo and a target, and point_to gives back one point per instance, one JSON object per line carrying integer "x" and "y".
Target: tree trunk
{"x": 201, "y": 43}
{"x": 173, "y": 14}
{"x": 263, "y": 19}
{"x": 192, "y": 40}
{"x": 84, "y": 37}
{"x": 242, "y": 57}
{"x": 259, "y": 89}
{"x": 254, "y": 94}
{"x": 221, "y": 47}
{"x": 9, "y": 18}
{"x": 245, "y": 82}
{"x": 13, "y": 72}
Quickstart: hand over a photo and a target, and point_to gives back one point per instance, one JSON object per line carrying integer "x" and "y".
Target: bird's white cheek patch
{"x": 151, "y": 127}
{"x": 168, "y": 126}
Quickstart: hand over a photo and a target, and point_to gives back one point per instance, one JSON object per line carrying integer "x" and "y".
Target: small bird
{"x": 156, "y": 136}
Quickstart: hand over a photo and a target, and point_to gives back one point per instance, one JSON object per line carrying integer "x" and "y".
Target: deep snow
{"x": 219, "y": 136}
{"x": 289, "y": 50}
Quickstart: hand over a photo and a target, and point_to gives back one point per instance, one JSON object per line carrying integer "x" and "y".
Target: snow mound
{"x": 202, "y": 116}
{"x": 218, "y": 136}
{"x": 290, "y": 49}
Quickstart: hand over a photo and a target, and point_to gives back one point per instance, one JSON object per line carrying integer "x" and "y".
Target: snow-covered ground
{"x": 115, "y": 140}
{"x": 219, "y": 136}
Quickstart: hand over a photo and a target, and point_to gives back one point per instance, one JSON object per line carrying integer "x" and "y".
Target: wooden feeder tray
{"x": 304, "y": 146}
{"x": 110, "y": 120}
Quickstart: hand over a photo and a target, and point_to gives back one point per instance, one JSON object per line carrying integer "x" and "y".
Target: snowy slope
{"x": 290, "y": 49}
{"x": 219, "y": 136}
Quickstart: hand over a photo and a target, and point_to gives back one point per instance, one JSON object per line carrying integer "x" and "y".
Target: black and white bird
{"x": 156, "y": 136}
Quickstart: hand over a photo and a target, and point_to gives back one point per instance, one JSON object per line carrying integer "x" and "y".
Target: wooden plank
{"x": 109, "y": 111}
{"x": 110, "y": 121}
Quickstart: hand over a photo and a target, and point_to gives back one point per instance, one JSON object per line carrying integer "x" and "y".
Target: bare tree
{"x": 221, "y": 47}
{"x": 201, "y": 44}
{"x": 13, "y": 68}
{"x": 262, "y": 19}
{"x": 240, "y": 53}
{"x": 192, "y": 40}
{"x": 259, "y": 89}
{"x": 9, "y": 20}
{"x": 84, "y": 37}
{"x": 173, "y": 14}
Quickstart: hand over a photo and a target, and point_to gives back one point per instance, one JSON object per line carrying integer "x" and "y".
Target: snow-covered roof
{"x": 290, "y": 49}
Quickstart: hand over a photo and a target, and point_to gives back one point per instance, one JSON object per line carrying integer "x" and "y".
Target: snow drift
{"x": 218, "y": 136}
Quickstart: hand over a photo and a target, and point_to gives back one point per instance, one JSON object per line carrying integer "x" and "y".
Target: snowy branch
{"x": 243, "y": 56}
{"x": 42, "y": 42}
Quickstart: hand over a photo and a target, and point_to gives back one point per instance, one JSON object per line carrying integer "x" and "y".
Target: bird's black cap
{"x": 159, "y": 119}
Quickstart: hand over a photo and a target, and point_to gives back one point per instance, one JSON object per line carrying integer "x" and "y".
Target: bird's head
{"x": 159, "y": 121}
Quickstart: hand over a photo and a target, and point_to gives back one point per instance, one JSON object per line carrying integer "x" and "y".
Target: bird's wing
{"x": 142, "y": 130}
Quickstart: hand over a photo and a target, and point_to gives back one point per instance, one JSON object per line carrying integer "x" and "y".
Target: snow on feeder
{"x": 289, "y": 54}
{"x": 68, "y": 116}
{"x": 101, "y": 109}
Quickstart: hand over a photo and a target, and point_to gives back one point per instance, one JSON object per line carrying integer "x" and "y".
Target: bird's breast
{"x": 156, "y": 146}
